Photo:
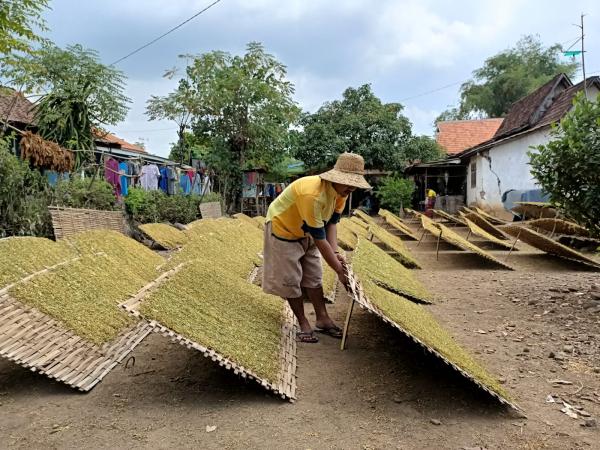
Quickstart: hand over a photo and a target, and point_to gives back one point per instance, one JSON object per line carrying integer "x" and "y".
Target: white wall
{"x": 508, "y": 164}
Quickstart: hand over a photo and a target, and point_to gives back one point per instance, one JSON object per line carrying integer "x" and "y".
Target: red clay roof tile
{"x": 457, "y": 135}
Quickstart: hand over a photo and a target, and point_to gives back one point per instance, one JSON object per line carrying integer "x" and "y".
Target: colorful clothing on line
{"x": 124, "y": 170}
{"x": 149, "y": 177}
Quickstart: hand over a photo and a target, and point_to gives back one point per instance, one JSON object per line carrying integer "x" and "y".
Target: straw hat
{"x": 349, "y": 170}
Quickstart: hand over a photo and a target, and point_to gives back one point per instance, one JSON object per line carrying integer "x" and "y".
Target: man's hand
{"x": 341, "y": 273}
{"x": 341, "y": 258}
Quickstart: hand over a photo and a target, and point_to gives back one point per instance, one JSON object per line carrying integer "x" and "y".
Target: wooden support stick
{"x": 513, "y": 245}
{"x": 421, "y": 238}
{"x": 437, "y": 248}
{"x": 469, "y": 234}
{"x": 347, "y": 325}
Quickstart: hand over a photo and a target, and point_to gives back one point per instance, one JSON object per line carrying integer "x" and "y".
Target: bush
{"x": 568, "y": 167}
{"x": 24, "y": 197}
{"x": 155, "y": 206}
{"x": 83, "y": 193}
{"x": 395, "y": 192}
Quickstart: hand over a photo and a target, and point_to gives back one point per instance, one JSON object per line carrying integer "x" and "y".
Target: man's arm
{"x": 331, "y": 258}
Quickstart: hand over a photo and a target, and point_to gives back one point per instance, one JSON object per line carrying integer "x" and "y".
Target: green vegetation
{"x": 575, "y": 144}
{"x": 507, "y": 77}
{"x": 156, "y": 206}
{"x": 226, "y": 314}
{"x": 85, "y": 193}
{"x": 20, "y": 22}
{"x": 372, "y": 263}
{"x": 22, "y": 256}
{"x": 166, "y": 236}
{"x": 415, "y": 321}
{"x": 395, "y": 192}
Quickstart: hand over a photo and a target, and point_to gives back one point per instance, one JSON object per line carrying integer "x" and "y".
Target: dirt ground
{"x": 531, "y": 327}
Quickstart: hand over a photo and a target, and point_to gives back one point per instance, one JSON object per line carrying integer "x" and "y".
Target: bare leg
{"x": 315, "y": 295}
{"x": 297, "y": 305}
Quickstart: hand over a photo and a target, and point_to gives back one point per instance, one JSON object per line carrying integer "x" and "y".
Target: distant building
{"x": 501, "y": 164}
{"x": 454, "y": 136}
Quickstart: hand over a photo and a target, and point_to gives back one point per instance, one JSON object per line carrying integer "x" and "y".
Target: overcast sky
{"x": 404, "y": 48}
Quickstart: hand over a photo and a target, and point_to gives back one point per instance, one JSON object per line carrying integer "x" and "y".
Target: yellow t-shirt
{"x": 305, "y": 206}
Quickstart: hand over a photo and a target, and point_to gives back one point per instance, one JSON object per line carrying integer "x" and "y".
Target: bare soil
{"x": 532, "y": 326}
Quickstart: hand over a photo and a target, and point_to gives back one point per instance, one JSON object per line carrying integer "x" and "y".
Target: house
{"x": 501, "y": 164}
{"x": 447, "y": 177}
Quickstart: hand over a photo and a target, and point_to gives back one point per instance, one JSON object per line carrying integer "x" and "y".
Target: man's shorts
{"x": 289, "y": 266}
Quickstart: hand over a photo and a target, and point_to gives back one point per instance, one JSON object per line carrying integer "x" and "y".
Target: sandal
{"x": 307, "y": 337}
{"x": 334, "y": 331}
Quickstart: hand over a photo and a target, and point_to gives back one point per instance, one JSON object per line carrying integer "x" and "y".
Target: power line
{"x": 148, "y": 130}
{"x": 430, "y": 92}
{"x": 165, "y": 34}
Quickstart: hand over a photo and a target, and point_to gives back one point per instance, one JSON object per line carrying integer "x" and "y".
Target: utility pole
{"x": 583, "y": 55}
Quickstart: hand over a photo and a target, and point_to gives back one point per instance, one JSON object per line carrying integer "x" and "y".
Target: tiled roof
{"x": 564, "y": 102}
{"x": 457, "y": 135}
{"x": 526, "y": 111}
{"x": 20, "y": 112}
{"x": 109, "y": 138}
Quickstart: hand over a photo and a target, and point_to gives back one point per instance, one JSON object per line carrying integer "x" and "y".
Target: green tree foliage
{"x": 507, "y": 77}
{"x": 191, "y": 147}
{"x": 359, "y": 123}
{"x": 395, "y": 193}
{"x": 80, "y": 94}
{"x": 20, "y": 23}
{"x": 568, "y": 167}
{"x": 85, "y": 193}
{"x": 24, "y": 197}
{"x": 423, "y": 149}
{"x": 242, "y": 104}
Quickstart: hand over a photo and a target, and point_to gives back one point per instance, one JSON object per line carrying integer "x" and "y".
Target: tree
{"x": 507, "y": 77}
{"x": 423, "y": 149}
{"x": 360, "y": 123}
{"x": 243, "y": 105}
{"x": 395, "y": 193}
{"x": 568, "y": 167}
{"x": 20, "y": 22}
{"x": 79, "y": 94}
{"x": 194, "y": 147}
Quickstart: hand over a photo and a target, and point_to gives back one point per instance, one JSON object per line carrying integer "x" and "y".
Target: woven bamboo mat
{"x": 449, "y": 217}
{"x": 357, "y": 294}
{"x": 42, "y": 344}
{"x": 558, "y": 226}
{"x": 286, "y": 384}
{"x": 69, "y": 221}
{"x": 548, "y": 245}
{"x": 485, "y": 225}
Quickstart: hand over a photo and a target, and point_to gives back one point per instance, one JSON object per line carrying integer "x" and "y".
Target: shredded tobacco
{"x": 165, "y": 235}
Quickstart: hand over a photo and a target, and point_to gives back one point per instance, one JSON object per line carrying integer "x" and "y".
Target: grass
{"x": 124, "y": 252}
{"x": 372, "y": 263}
{"x": 396, "y": 245}
{"x": 477, "y": 230}
{"x": 220, "y": 311}
{"x": 457, "y": 240}
{"x": 22, "y": 256}
{"x": 166, "y": 236}
{"x": 420, "y": 324}
{"x": 83, "y": 295}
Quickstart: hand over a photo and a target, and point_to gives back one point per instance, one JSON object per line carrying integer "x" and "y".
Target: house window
{"x": 473, "y": 175}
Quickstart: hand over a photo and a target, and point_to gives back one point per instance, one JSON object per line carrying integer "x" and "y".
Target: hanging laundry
{"x": 124, "y": 180}
{"x": 171, "y": 181}
{"x": 111, "y": 174}
{"x": 163, "y": 183}
{"x": 149, "y": 177}
{"x": 191, "y": 174}
{"x": 206, "y": 186}
{"x": 197, "y": 184}
{"x": 185, "y": 183}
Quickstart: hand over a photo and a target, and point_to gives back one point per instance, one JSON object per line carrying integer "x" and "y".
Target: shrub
{"x": 24, "y": 197}
{"x": 568, "y": 167}
{"x": 83, "y": 193}
{"x": 394, "y": 193}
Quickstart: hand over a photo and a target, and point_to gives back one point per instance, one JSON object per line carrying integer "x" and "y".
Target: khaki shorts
{"x": 290, "y": 266}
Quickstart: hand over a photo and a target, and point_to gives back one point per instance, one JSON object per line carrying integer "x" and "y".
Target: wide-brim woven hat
{"x": 349, "y": 170}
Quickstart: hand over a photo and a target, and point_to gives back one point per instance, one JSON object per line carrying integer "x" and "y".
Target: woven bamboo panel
{"x": 484, "y": 224}
{"x": 491, "y": 219}
{"x": 286, "y": 384}
{"x": 535, "y": 210}
{"x": 211, "y": 210}
{"x": 395, "y": 245}
{"x": 448, "y": 217}
{"x": 446, "y": 234}
{"x": 477, "y": 230}
{"x": 548, "y": 245}
{"x": 397, "y": 224}
{"x": 356, "y": 293}
{"x": 42, "y": 344}
{"x": 69, "y": 221}
{"x": 558, "y": 226}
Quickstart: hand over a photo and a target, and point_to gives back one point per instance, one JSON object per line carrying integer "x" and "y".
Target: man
{"x": 300, "y": 224}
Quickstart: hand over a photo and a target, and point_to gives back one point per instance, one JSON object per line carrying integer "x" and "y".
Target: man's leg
{"x": 297, "y": 305}
{"x": 316, "y": 297}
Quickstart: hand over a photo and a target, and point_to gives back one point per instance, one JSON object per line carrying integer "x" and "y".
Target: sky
{"x": 416, "y": 52}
